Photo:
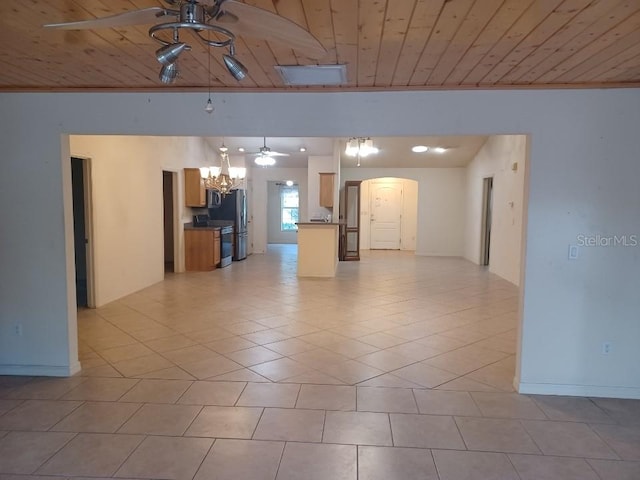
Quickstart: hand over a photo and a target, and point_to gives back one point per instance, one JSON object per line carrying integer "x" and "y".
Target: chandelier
{"x": 360, "y": 147}
{"x": 225, "y": 177}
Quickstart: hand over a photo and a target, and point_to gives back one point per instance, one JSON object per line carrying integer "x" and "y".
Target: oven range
{"x": 226, "y": 240}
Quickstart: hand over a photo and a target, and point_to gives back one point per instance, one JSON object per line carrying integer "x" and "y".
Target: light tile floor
{"x": 401, "y": 367}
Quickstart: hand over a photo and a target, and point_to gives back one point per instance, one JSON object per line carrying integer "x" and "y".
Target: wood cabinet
{"x": 201, "y": 249}
{"x": 216, "y": 248}
{"x": 194, "y": 192}
{"x": 326, "y": 189}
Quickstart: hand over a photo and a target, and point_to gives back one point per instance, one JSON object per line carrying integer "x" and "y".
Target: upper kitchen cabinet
{"x": 326, "y": 189}
{"x": 194, "y": 192}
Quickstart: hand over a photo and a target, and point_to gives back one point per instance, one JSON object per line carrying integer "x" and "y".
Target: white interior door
{"x": 386, "y": 215}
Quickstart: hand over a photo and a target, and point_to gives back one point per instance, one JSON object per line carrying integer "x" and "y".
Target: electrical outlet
{"x": 17, "y": 329}
{"x": 606, "y": 348}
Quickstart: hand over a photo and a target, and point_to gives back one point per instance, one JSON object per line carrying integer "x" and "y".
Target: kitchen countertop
{"x": 305, "y": 224}
{"x": 189, "y": 226}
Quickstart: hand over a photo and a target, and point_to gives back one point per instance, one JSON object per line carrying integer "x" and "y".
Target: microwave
{"x": 214, "y": 199}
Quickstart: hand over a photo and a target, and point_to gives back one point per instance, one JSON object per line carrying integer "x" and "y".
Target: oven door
{"x": 226, "y": 247}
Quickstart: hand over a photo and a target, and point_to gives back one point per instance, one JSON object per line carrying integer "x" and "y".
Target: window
{"x": 289, "y": 205}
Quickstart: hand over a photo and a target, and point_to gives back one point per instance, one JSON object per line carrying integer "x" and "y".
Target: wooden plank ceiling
{"x": 393, "y": 44}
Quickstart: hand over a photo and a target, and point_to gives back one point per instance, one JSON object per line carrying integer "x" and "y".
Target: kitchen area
{"x": 216, "y": 238}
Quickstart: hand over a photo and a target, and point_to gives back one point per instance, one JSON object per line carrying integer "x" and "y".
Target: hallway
{"x": 401, "y": 367}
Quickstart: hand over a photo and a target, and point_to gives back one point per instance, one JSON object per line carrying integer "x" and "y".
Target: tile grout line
{"x": 204, "y": 458}
{"x": 257, "y": 423}
{"x": 195, "y": 417}
{"x": 75, "y": 435}
{"x": 284, "y": 446}
{"x": 129, "y": 455}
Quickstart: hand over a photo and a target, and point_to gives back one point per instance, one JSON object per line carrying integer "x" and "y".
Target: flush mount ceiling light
{"x": 222, "y": 17}
{"x": 312, "y": 74}
{"x": 303, "y": 149}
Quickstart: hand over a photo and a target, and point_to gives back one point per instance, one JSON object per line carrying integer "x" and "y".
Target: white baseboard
{"x": 578, "y": 390}
{"x": 41, "y": 370}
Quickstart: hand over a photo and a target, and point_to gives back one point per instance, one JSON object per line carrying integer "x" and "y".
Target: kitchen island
{"x": 317, "y": 249}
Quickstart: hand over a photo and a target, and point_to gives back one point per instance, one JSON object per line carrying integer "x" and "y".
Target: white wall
{"x": 440, "y": 215}
{"x": 496, "y": 159}
{"x": 582, "y": 180}
{"x": 127, "y": 206}
{"x": 258, "y": 200}
{"x": 408, "y": 211}
{"x": 274, "y": 231}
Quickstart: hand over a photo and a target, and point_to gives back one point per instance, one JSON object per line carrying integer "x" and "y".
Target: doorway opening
{"x": 283, "y": 212}
{"x": 168, "y": 220}
{"x": 487, "y": 205}
{"x": 81, "y": 197}
{"x": 388, "y": 214}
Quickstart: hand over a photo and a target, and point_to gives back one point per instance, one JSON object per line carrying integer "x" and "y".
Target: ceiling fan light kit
{"x": 265, "y": 161}
{"x": 226, "y": 18}
{"x": 360, "y": 147}
{"x": 265, "y": 156}
{"x": 237, "y": 69}
{"x": 169, "y": 73}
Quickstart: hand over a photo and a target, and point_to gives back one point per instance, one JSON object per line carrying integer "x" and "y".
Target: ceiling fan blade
{"x": 269, "y": 153}
{"x": 135, "y": 17}
{"x": 250, "y": 21}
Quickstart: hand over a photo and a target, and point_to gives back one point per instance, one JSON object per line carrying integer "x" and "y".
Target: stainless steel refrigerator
{"x": 234, "y": 207}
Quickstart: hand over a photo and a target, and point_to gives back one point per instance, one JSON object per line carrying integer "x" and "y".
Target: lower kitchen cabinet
{"x": 201, "y": 249}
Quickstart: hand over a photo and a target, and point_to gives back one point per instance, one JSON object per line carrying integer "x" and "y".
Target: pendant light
{"x": 209, "y": 105}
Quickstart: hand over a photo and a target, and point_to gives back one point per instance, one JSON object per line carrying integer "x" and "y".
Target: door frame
{"x": 178, "y": 260}
{"x": 88, "y": 228}
{"x": 174, "y": 217}
{"x": 487, "y": 221}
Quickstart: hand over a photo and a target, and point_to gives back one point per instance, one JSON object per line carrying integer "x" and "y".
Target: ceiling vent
{"x": 296, "y": 75}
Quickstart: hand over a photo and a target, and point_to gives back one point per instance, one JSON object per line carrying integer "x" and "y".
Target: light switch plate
{"x": 573, "y": 252}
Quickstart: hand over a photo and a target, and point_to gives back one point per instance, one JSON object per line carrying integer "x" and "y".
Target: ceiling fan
{"x": 224, "y": 18}
{"x": 265, "y": 156}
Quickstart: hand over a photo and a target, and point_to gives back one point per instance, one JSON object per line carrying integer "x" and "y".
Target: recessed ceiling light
{"x": 439, "y": 149}
{"x": 289, "y": 183}
{"x": 303, "y": 149}
{"x": 419, "y": 149}
{"x": 241, "y": 149}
